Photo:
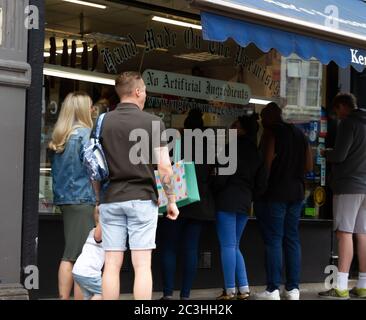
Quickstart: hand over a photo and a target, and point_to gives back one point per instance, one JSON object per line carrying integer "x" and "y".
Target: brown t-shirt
{"x": 130, "y": 181}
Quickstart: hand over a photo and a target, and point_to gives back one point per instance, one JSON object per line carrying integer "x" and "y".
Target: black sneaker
{"x": 166, "y": 298}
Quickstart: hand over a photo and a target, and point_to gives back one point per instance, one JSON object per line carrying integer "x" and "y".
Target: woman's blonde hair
{"x": 75, "y": 113}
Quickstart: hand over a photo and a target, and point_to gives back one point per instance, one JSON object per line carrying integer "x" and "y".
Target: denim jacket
{"x": 71, "y": 182}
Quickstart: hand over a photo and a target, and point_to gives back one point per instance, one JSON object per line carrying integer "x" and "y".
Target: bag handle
{"x": 98, "y": 128}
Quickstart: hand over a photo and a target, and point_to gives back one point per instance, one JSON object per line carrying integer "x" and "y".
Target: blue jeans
{"x": 279, "y": 224}
{"x": 184, "y": 232}
{"x": 230, "y": 227}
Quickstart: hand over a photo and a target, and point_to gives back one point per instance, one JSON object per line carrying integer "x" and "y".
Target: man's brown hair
{"x": 126, "y": 82}
{"x": 347, "y": 99}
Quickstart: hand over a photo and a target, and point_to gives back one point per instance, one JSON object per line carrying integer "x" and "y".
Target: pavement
{"x": 308, "y": 291}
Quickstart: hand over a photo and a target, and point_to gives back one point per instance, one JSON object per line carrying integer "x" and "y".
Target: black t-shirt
{"x": 286, "y": 179}
{"x": 234, "y": 193}
{"x": 130, "y": 181}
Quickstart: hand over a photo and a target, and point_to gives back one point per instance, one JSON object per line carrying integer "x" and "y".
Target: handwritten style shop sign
{"x": 183, "y": 85}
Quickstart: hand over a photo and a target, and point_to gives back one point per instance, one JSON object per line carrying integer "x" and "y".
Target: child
{"x": 87, "y": 271}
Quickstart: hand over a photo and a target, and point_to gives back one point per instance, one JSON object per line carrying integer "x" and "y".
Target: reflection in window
{"x": 293, "y": 90}
{"x": 301, "y": 87}
{"x": 312, "y": 93}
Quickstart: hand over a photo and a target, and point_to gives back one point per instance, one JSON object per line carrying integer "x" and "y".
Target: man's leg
{"x": 142, "y": 223}
{"x": 141, "y": 261}
{"x": 345, "y": 250}
{"x": 292, "y": 245}
{"x": 346, "y": 209}
{"x": 361, "y": 252}
{"x": 360, "y": 231}
{"x": 112, "y": 268}
{"x": 65, "y": 280}
{"x": 273, "y": 222}
{"x": 345, "y": 212}
{"x": 345, "y": 253}
{"x": 113, "y": 221}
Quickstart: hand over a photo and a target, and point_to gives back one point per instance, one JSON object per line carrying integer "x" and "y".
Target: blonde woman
{"x": 72, "y": 188}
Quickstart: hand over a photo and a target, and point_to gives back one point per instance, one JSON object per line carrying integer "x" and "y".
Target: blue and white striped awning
{"x": 329, "y": 30}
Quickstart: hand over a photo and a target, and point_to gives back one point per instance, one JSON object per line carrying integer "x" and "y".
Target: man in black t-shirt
{"x": 129, "y": 207}
{"x": 287, "y": 157}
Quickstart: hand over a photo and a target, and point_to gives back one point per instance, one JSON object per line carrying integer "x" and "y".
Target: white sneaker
{"x": 266, "y": 295}
{"x": 293, "y": 294}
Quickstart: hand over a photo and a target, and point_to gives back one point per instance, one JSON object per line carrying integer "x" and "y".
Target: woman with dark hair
{"x": 186, "y": 230}
{"x": 233, "y": 195}
{"x": 250, "y": 125}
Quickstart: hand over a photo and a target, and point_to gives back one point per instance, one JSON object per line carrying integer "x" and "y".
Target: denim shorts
{"x": 135, "y": 219}
{"x": 88, "y": 285}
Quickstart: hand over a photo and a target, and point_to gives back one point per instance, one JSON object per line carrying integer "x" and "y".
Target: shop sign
{"x": 152, "y": 40}
{"x": 119, "y": 54}
{"x": 183, "y": 105}
{"x": 262, "y": 73}
{"x": 1, "y": 26}
{"x": 159, "y": 39}
{"x": 183, "y": 85}
{"x": 358, "y": 57}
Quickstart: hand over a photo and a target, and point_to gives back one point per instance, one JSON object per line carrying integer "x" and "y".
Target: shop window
{"x": 170, "y": 57}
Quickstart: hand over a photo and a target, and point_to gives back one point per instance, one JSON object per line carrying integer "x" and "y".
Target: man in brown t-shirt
{"x": 131, "y": 140}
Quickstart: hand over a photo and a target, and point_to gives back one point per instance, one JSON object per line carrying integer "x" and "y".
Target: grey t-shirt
{"x": 129, "y": 181}
{"x": 349, "y": 155}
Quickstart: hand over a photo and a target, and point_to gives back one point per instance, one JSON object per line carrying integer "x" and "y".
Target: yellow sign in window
{"x": 319, "y": 196}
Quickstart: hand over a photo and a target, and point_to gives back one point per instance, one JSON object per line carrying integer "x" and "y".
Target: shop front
{"x": 21, "y": 44}
{"x": 233, "y": 64}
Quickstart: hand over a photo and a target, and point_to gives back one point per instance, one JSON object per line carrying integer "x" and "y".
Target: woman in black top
{"x": 186, "y": 230}
{"x": 233, "y": 196}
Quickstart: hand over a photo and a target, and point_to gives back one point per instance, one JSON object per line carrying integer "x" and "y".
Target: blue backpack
{"x": 94, "y": 158}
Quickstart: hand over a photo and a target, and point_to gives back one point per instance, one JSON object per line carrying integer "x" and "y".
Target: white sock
{"x": 361, "y": 283}
{"x": 342, "y": 281}
{"x": 230, "y": 291}
{"x": 244, "y": 289}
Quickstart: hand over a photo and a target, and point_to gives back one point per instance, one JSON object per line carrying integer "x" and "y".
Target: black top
{"x": 234, "y": 193}
{"x": 286, "y": 179}
{"x": 129, "y": 181}
{"x": 205, "y": 208}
